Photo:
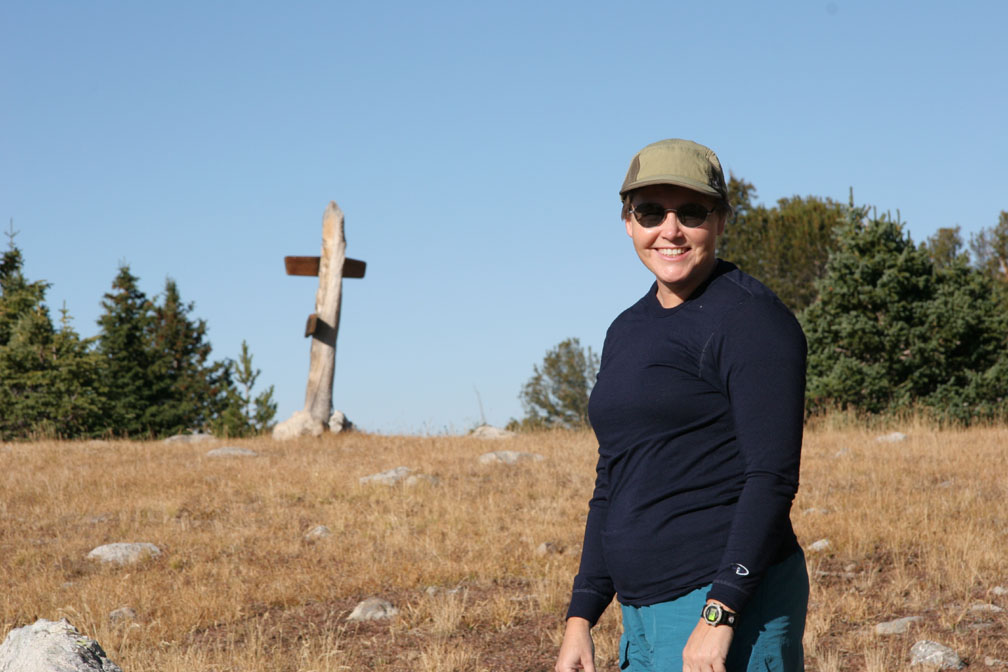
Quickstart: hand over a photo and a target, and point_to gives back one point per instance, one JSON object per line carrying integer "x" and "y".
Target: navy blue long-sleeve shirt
{"x": 698, "y": 411}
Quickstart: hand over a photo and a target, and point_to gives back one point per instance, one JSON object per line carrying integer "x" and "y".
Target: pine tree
{"x": 131, "y": 380}
{"x": 194, "y": 386}
{"x": 891, "y": 331}
{"x": 243, "y": 414}
{"x": 557, "y": 393}
{"x": 785, "y": 246}
{"x": 47, "y": 376}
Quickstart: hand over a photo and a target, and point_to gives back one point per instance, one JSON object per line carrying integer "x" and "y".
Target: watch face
{"x": 712, "y": 613}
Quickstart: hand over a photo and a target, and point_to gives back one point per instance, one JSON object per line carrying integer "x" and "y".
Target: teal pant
{"x": 768, "y": 637}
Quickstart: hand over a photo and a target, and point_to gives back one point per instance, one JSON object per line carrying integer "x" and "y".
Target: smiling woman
{"x": 689, "y": 523}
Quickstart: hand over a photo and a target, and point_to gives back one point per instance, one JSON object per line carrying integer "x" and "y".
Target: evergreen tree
{"x": 890, "y": 331}
{"x": 945, "y": 246}
{"x": 194, "y": 388}
{"x": 557, "y": 393}
{"x": 131, "y": 378}
{"x": 243, "y": 414}
{"x": 47, "y": 376}
{"x": 785, "y": 246}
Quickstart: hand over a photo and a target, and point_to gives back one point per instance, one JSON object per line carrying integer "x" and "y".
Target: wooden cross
{"x": 323, "y": 324}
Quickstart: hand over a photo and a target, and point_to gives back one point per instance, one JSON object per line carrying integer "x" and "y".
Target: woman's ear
{"x": 629, "y": 227}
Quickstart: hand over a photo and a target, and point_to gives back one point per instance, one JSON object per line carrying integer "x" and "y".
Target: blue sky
{"x": 476, "y": 149}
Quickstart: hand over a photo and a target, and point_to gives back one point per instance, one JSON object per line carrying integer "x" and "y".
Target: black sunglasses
{"x": 690, "y": 215}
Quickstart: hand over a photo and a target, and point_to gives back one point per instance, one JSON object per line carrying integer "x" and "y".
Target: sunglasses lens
{"x": 692, "y": 214}
{"x": 649, "y": 214}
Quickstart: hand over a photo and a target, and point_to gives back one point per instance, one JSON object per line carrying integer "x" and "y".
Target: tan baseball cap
{"x": 680, "y": 162}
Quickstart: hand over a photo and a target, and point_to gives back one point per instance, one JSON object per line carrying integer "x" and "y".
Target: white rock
{"x": 990, "y": 661}
{"x": 301, "y": 423}
{"x": 195, "y": 437}
{"x": 318, "y": 532}
{"x": 896, "y": 627}
{"x": 986, "y": 609}
{"x": 52, "y": 646}
{"x": 819, "y": 546}
{"x": 999, "y": 591}
{"x": 509, "y": 457}
{"x": 491, "y": 432}
{"x": 894, "y": 437}
{"x": 373, "y": 609}
{"x": 338, "y": 422}
{"x": 123, "y": 553}
{"x": 390, "y": 477}
{"x": 231, "y": 451}
{"x": 417, "y": 479}
{"x": 936, "y": 655}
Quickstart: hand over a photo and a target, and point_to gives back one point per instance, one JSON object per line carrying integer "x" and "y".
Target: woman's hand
{"x": 577, "y": 652}
{"x": 707, "y": 648}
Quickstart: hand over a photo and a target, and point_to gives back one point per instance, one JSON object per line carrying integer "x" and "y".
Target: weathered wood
{"x": 311, "y": 326}
{"x": 352, "y": 268}
{"x": 318, "y": 395}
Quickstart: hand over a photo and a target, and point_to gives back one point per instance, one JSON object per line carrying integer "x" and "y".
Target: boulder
{"x": 52, "y": 646}
{"x": 299, "y": 424}
{"x": 231, "y": 451}
{"x": 549, "y": 548}
{"x": 935, "y": 655}
{"x": 123, "y": 553}
{"x": 373, "y": 609}
{"x": 509, "y": 457}
{"x": 897, "y": 626}
{"x": 318, "y": 532}
{"x": 338, "y": 422}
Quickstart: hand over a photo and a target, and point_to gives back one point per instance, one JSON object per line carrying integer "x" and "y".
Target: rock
{"x": 986, "y": 609}
{"x": 936, "y": 655}
{"x": 373, "y": 609}
{"x": 299, "y": 424}
{"x": 195, "y": 437}
{"x": 318, "y": 532}
{"x": 52, "y": 646}
{"x": 390, "y": 477}
{"x": 819, "y": 546}
{"x": 338, "y": 422}
{"x": 999, "y": 591}
{"x": 416, "y": 479}
{"x": 491, "y": 432}
{"x": 403, "y": 475}
{"x": 122, "y": 615}
{"x": 509, "y": 457}
{"x": 231, "y": 451}
{"x": 123, "y": 553}
{"x": 894, "y": 437}
{"x": 896, "y": 627}
{"x": 990, "y": 661}
{"x": 549, "y": 548}
{"x": 437, "y": 591}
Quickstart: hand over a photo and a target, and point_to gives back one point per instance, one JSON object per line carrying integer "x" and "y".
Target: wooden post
{"x": 322, "y": 366}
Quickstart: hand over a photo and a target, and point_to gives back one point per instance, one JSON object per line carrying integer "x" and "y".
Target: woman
{"x": 698, "y": 411}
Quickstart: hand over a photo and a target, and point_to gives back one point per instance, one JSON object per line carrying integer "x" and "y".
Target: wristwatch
{"x": 714, "y": 614}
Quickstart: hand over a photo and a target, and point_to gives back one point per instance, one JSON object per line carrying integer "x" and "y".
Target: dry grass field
{"x": 915, "y": 528}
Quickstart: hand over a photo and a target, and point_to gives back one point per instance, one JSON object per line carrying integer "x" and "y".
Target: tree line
{"x": 893, "y": 327}
{"x": 146, "y": 374}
